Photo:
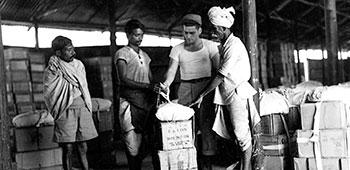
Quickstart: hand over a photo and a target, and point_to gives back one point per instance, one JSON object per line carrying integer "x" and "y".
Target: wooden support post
{"x": 324, "y": 64}
{"x": 269, "y": 60}
{"x": 331, "y": 40}
{"x": 250, "y": 40}
{"x": 112, "y": 27}
{"x": 112, "y": 50}
{"x": 296, "y": 44}
{"x": 36, "y": 36}
{"x": 5, "y": 155}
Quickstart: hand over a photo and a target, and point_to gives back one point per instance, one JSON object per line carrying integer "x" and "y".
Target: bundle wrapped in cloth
{"x": 273, "y": 102}
{"x": 298, "y": 95}
{"x": 330, "y": 93}
{"x": 99, "y": 104}
{"x": 33, "y": 118}
{"x": 174, "y": 112}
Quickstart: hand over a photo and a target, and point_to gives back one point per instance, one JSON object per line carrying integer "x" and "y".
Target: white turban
{"x": 221, "y": 17}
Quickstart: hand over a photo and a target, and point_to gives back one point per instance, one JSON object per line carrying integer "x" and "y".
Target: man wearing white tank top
{"x": 196, "y": 58}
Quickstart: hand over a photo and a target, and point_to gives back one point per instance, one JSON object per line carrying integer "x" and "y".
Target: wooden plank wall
{"x": 283, "y": 65}
{"x": 262, "y": 55}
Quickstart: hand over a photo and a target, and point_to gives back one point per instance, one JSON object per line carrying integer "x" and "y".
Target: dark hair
{"x": 133, "y": 24}
{"x": 60, "y": 42}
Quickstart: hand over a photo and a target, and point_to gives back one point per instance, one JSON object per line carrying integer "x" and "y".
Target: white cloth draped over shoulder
{"x": 62, "y": 83}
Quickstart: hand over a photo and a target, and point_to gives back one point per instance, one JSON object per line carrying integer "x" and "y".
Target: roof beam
{"x": 71, "y": 13}
{"x": 126, "y": 10}
{"x": 282, "y": 5}
{"x": 275, "y": 16}
{"x": 321, "y": 6}
{"x": 306, "y": 12}
{"x": 94, "y": 14}
{"x": 42, "y": 11}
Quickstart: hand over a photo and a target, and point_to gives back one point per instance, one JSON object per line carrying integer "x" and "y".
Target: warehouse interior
{"x": 273, "y": 31}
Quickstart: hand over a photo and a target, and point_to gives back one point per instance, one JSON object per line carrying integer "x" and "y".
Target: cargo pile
{"x": 175, "y": 138}
{"x": 33, "y": 147}
{"x": 314, "y": 134}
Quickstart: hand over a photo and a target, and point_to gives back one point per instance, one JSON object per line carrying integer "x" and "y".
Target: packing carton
{"x": 327, "y": 163}
{"x": 179, "y": 159}
{"x": 39, "y": 159}
{"x": 333, "y": 115}
{"x": 175, "y": 135}
{"x": 334, "y": 143}
{"x": 277, "y": 145}
{"x": 275, "y": 162}
{"x": 300, "y": 163}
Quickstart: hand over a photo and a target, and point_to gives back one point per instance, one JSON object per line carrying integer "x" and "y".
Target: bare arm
{"x": 170, "y": 74}
{"x": 213, "y": 84}
{"x": 215, "y": 61}
{"x": 127, "y": 82}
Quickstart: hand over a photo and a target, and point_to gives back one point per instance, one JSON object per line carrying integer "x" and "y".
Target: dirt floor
{"x": 116, "y": 159}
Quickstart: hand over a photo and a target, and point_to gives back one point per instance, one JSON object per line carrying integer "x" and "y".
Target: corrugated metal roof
{"x": 278, "y": 20}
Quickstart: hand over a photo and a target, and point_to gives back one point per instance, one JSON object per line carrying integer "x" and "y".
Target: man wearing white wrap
{"x": 232, "y": 80}
{"x": 67, "y": 97}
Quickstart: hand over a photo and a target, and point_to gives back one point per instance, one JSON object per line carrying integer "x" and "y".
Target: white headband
{"x": 221, "y": 17}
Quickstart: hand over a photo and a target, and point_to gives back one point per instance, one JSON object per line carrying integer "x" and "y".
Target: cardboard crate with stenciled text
{"x": 178, "y": 159}
{"x": 333, "y": 143}
{"x": 174, "y": 135}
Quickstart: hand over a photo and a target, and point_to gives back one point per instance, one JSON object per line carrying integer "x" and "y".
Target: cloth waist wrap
{"x": 139, "y": 107}
{"x": 196, "y": 80}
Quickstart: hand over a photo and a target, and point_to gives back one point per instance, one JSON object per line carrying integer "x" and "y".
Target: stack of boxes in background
{"x": 176, "y": 145}
{"x": 332, "y": 140}
{"x": 18, "y": 81}
{"x": 277, "y": 139}
{"x": 24, "y": 72}
{"x": 36, "y": 150}
{"x": 33, "y": 147}
{"x": 99, "y": 76}
{"x": 37, "y": 66}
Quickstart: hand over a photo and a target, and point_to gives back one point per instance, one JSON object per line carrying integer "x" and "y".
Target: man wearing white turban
{"x": 232, "y": 80}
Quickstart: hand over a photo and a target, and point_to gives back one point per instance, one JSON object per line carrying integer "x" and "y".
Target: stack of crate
{"x": 32, "y": 146}
{"x": 36, "y": 150}
{"x": 99, "y": 77}
{"x": 37, "y": 66}
{"x": 176, "y": 145}
{"x": 326, "y": 143}
{"x": 24, "y": 72}
{"x": 19, "y": 85}
{"x": 277, "y": 139}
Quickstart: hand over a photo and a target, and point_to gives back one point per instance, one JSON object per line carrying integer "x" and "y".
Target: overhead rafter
{"x": 281, "y": 6}
{"x": 97, "y": 10}
{"x": 321, "y": 6}
{"x": 72, "y": 12}
{"x": 43, "y": 9}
